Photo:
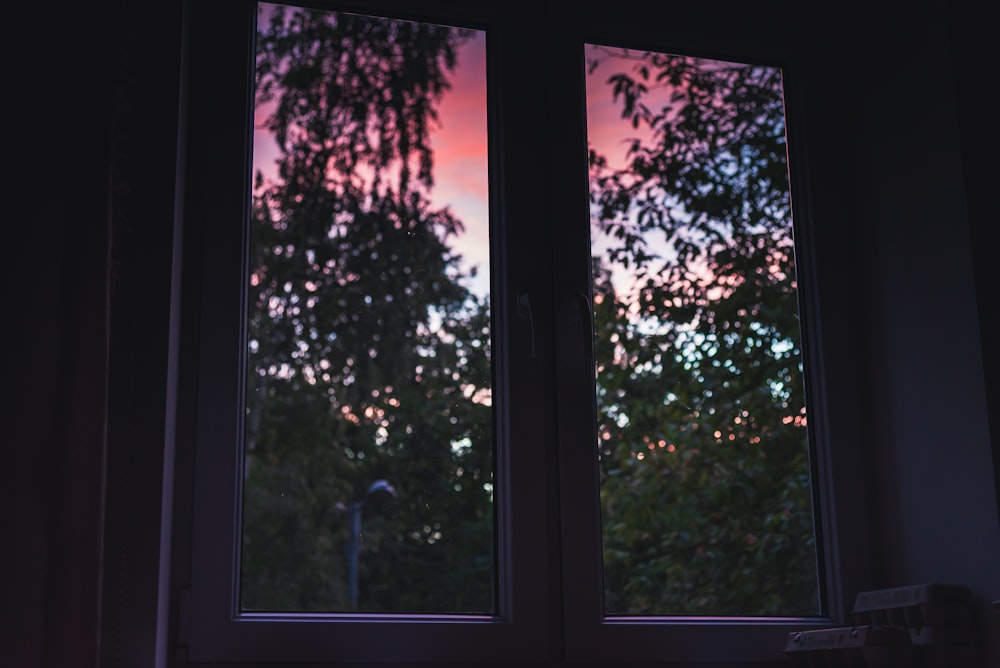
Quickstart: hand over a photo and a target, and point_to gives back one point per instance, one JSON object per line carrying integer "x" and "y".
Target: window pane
{"x": 368, "y": 432}
{"x": 704, "y": 454}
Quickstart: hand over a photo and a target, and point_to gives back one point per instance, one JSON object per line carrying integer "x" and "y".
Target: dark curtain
{"x": 89, "y": 104}
{"x": 57, "y": 79}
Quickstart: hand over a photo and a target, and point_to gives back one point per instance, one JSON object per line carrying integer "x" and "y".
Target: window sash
{"x": 795, "y": 47}
{"x": 218, "y": 630}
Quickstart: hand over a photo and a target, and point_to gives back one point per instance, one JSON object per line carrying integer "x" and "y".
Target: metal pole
{"x": 353, "y": 550}
{"x": 379, "y": 489}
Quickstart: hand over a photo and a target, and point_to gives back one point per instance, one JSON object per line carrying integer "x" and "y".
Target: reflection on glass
{"x": 368, "y": 432}
{"x": 704, "y": 456}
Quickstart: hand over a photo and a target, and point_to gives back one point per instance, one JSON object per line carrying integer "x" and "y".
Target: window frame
{"x": 800, "y": 47}
{"x": 549, "y": 597}
{"x": 213, "y": 628}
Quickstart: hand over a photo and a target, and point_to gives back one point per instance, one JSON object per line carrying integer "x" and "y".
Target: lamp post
{"x": 378, "y": 490}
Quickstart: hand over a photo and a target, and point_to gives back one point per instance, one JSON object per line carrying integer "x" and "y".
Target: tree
{"x": 368, "y": 357}
{"x": 702, "y": 426}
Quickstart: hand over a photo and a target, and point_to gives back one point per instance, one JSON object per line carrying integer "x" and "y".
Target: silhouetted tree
{"x": 366, "y": 350}
{"x": 704, "y": 454}
{"x": 369, "y": 358}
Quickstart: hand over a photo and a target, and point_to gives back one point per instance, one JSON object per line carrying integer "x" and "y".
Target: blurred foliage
{"x": 366, "y": 349}
{"x": 704, "y": 457}
{"x": 370, "y": 358}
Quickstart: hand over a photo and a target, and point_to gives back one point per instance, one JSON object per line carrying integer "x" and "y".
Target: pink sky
{"x": 609, "y": 134}
{"x": 459, "y": 143}
{"x": 461, "y": 176}
{"x": 606, "y": 131}
{"x": 460, "y": 146}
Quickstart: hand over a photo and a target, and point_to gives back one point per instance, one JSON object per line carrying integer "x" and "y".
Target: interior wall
{"x": 925, "y": 403}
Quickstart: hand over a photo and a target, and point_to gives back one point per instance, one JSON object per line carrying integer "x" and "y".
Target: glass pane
{"x": 704, "y": 455}
{"x": 368, "y": 433}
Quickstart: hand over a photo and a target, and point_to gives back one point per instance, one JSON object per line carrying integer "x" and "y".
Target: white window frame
{"x": 548, "y": 560}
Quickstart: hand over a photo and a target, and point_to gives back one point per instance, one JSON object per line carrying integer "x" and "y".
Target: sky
{"x": 461, "y": 168}
{"x": 459, "y": 144}
{"x": 460, "y": 147}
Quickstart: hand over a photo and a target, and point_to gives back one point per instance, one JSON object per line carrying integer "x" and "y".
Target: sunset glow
{"x": 461, "y": 173}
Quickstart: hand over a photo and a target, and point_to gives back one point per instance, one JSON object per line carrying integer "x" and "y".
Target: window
{"x": 701, "y": 410}
{"x": 369, "y": 320}
{"x": 353, "y": 371}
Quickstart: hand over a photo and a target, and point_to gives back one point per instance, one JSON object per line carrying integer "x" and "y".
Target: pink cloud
{"x": 461, "y": 176}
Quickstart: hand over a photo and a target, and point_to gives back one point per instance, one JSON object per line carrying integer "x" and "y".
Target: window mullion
{"x": 580, "y": 520}
{"x": 527, "y": 521}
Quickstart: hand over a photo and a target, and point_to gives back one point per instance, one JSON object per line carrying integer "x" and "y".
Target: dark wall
{"x": 975, "y": 63}
{"x": 919, "y": 106}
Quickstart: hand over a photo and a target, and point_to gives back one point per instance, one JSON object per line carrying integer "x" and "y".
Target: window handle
{"x": 587, "y": 316}
{"x": 524, "y": 311}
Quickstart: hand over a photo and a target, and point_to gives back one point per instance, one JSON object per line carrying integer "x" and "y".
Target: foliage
{"x": 704, "y": 455}
{"x": 365, "y": 347}
{"x": 369, "y": 358}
